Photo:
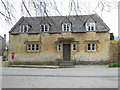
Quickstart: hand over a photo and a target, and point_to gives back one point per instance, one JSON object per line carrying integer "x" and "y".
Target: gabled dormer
{"x": 44, "y": 26}
{"x": 90, "y": 25}
{"x": 66, "y": 25}
{"x": 24, "y": 28}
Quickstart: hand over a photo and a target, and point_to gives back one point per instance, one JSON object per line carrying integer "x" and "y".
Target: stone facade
{"x": 115, "y": 50}
{"x": 51, "y": 44}
{"x": 2, "y": 45}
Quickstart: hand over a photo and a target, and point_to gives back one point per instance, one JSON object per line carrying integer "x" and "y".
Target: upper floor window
{"x": 24, "y": 28}
{"x": 44, "y": 27}
{"x": 90, "y": 26}
{"x": 66, "y": 27}
{"x": 91, "y": 47}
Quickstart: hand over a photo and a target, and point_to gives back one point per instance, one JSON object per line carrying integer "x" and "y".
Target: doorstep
{"x": 35, "y": 66}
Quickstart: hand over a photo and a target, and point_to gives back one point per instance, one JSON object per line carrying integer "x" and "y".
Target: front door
{"x": 66, "y": 52}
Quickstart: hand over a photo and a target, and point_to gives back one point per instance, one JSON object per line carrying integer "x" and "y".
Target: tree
{"x": 50, "y": 7}
{"x": 111, "y": 36}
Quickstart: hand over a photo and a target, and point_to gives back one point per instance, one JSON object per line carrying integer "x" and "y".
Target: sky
{"x": 110, "y": 18}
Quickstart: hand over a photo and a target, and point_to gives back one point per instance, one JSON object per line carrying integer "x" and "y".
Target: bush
{"x": 3, "y": 58}
{"x": 117, "y": 64}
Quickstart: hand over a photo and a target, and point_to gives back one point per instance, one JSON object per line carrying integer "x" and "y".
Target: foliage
{"x": 111, "y": 36}
{"x": 116, "y": 64}
{"x": 3, "y": 58}
{"x": 115, "y": 41}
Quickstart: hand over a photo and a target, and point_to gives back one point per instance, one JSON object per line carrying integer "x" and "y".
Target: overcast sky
{"x": 110, "y": 18}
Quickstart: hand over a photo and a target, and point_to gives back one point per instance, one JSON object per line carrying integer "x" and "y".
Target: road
{"x": 79, "y": 77}
{"x": 0, "y": 72}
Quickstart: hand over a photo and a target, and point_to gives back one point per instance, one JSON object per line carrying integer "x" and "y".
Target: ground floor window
{"x": 33, "y": 47}
{"x": 59, "y": 47}
{"x": 91, "y": 47}
{"x": 74, "y": 47}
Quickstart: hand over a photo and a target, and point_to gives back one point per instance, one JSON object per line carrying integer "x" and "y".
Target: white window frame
{"x": 91, "y": 24}
{"x": 34, "y": 47}
{"x": 75, "y": 47}
{"x": 22, "y": 28}
{"x": 66, "y": 24}
{"x": 59, "y": 47}
{"x": 44, "y": 27}
{"x": 91, "y": 47}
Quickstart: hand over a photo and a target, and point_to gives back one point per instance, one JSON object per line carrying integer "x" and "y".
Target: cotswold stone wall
{"x": 115, "y": 51}
{"x": 48, "y": 52}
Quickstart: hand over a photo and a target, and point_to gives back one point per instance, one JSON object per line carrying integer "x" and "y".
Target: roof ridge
{"x": 61, "y": 16}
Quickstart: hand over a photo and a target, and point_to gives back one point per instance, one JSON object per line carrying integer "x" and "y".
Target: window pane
{"x": 20, "y": 30}
{"x": 68, "y": 26}
{"x": 37, "y": 47}
{"x": 89, "y": 28}
{"x": 89, "y": 46}
{"x": 46, "y": 27}
{"x": 92, "y": 28}
{"x": 59, "y": 47}
{"x": 42, "y": 28}
{"x": 25, "y": 28}
{"x": 29, "y": 47}
{"x": 64, "y": 27}
{"x": 74, "y": 47}
{"x": 93, "y": 46}
{"x": 33, "y": 46}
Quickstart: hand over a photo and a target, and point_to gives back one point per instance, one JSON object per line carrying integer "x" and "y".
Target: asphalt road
{"x": 0, "y": 72}
{"x": 79, "y": 77}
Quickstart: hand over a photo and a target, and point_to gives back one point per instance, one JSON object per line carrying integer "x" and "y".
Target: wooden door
{"x": 66, "y": 52}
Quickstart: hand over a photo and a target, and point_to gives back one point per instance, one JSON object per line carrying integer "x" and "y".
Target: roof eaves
{"x": 100, "y": 19}
{"x": 19, "y": 21}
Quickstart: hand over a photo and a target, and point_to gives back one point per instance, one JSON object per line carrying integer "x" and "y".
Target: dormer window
{"x": 24, "y": 28}
{"x": 90, "y": 26}
{"x": 44, "y": 27}
{"x": 66, "y": 27}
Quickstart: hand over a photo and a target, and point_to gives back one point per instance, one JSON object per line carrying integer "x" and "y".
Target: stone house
{"x": 83, "y": 39}
{"x": 2, "y": 44}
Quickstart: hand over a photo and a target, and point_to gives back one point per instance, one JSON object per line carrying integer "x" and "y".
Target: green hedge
{"x": 117, "y": 64}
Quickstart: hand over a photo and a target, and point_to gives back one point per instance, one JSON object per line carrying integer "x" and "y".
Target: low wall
{"x": 115, "y": 51}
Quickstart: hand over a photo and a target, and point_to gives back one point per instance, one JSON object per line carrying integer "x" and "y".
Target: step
{"x": 66, "y": 63}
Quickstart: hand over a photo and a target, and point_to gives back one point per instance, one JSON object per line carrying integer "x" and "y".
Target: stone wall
{"x": 48, "y": 53}
{"x": 2, "y": 45}
{"x": 115, "y": 51}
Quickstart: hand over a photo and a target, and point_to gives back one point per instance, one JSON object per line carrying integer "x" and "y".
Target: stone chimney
{"x": 5, "y": 39}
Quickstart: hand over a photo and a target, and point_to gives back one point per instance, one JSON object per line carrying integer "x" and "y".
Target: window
{"x": 90, "y": 26}
{"x": 24, "y": 28}
{"x": 44, "y": 27}
{"x": 74, "y": 47}
{"x": 29, "y": 47}
{"x": 66, "y": 27}
{"x": 33, "y": 47}
{"x": 91, "y": 47}
{"x": 59, "y": 47}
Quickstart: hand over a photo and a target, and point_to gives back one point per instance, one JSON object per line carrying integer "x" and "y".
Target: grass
{"x": 116, "y": 64}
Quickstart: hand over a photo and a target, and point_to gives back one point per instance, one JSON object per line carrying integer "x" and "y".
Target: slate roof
{"x": 1, "y": 38}
{"x": 55, "y": 22}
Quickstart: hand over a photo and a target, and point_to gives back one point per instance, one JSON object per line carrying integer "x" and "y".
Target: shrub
{"x": 3, "y": 58}
{"x": 117, "y": 64}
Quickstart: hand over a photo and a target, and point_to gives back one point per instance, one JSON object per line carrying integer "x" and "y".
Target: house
{"x": 83, "y": 39}
{"x": 2, "y": 44}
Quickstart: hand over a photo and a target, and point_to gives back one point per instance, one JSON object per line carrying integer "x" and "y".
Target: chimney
{"x": 5, "y": 38}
